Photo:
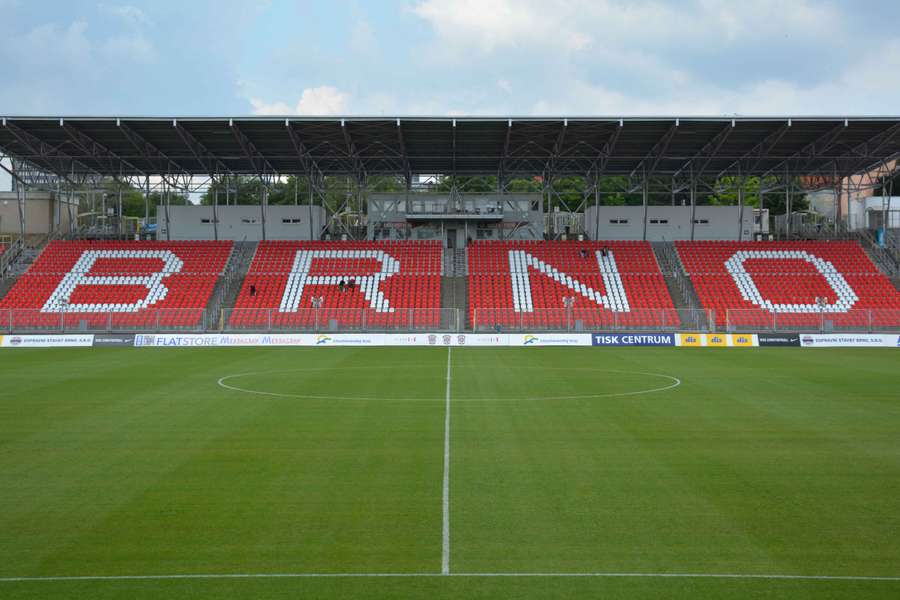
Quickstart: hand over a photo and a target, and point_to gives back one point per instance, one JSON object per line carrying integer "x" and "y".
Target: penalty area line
{"x": 599, "y": 575}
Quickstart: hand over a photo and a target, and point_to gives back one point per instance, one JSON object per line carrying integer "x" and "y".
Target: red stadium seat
{"x": 134, "y": 284}
{"x": 523, "y": 283}
{"x": 394, "y": 285}
{"x": 767, "y": 284}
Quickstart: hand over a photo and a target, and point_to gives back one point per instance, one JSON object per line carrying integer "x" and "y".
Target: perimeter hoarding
{"x": 779, "y": 339}
{"x": 850, "y": 340}
{"x": 47, "y": 341}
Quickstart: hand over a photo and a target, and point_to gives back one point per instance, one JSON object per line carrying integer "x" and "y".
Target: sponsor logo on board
{"x": 741, "y": 339}
{"x": 633, "y": 339}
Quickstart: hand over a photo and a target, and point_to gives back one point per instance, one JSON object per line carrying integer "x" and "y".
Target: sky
{"x": 449, "y": 57}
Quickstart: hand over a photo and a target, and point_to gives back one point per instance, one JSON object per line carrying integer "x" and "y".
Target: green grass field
{"x": 137, "y": 462}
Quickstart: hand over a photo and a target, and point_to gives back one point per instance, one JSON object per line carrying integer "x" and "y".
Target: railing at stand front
{"x": 156, "y": 320}
{"x": 341, "y": 319}
{"x": 854, "y": 320}
{"x": 581, "y": 319}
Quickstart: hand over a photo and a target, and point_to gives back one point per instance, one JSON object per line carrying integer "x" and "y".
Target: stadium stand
{"x": 93, "y": 284}
{"x": 751, "y": 284}
{"x": 386, "y": 285}
{"x": 524, "y": 283}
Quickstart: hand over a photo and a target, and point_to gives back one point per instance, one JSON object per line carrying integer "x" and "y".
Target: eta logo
{"x": 322, "y": 339}
{"x": 531, "y": 339}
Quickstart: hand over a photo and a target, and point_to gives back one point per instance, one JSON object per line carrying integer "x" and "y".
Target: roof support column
{"x": 215, "y": 211}
{"x": 693, "y": 192}
{"x": 121, "y": 225}
{"x": 147, "y": 202}
{"x": 740, "y": 195}
{"x": 788, "y": 202}
{"x": 21, "y": 196}
{"x": 309, "y": 204}
{"x": 263, "y": 207}
{"x": 166, "y": 205}
{"x": 645, "y": 197}
{"x": 57, "y": 217}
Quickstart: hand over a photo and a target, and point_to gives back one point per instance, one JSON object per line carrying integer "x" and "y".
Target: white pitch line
{"x": 600, "y": 575}
{"x": 445, "y": 538}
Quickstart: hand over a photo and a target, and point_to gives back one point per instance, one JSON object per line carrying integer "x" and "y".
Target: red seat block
{"x": 524, "y": 284}
{"x": 764, "y": 284}
{"x": 389, "y": 285}
{"x": 131, "y": 284}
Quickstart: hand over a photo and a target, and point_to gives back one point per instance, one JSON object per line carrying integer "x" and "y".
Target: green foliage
{"x": 774, "y": 201}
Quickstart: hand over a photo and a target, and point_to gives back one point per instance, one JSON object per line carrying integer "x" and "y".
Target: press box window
{"x": 618, "y": 221}
{"x": 701, "y": 221}
{"x": 659, "y": 221}
{"x": 290, "y": 221}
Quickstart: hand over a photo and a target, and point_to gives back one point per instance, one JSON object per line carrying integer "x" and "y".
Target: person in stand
{"x": 252, "y": 290}
{"x": 351, "y": 285}
{"x": 583, "y": 253}
{"x": 604, "y": 252}
{"x": 342, "y": 285}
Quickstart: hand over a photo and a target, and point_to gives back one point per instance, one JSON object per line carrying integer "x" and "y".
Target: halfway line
{"x": 445, "y": 541}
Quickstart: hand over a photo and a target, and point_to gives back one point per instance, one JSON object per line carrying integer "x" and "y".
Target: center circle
{"x": 557, "y": 383}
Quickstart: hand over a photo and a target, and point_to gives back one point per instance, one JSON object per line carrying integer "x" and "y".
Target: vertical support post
{"x": 740, "y": 195}
{"x": 57, "y": 222}
{"x": 215, "y": 212}
{"x": 645, "y": 196}
{"x": 166, "y": 206}
{"x": 121, "y": 224}
{"x": 147, "y": 201}
{"x": 788, "y": 201}
{"x": 309, "y": 204}
{"x": 693, "y": 192}
{"x": 762, "y": 206}
{"x": 22, "y": 197}
{"x": 264, "y": 201}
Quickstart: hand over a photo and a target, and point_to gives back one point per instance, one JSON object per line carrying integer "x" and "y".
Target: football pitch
{"x": 437, "y": 473}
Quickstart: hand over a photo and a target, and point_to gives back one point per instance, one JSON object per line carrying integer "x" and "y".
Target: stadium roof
{"x": 668, "y": 146}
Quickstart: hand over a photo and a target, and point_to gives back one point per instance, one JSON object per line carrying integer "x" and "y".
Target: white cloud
{"x": 848, "y": 93}
{"x": 488, "y": 26}
{"x": 131, "y": 14}
{"x": 583, "y": 25}
{"x": 322, "y": 100}
{"x": 632, "y": 57}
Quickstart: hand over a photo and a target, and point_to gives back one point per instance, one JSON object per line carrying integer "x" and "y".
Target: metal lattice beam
{"x": 261, "y": 165}
{"x": 759, "y": 151}
{"x": 649, "y": 163}
{"x": 98, "y": 151}
{"x": 210, "y": 161}
{"x": 708, "y": 153}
